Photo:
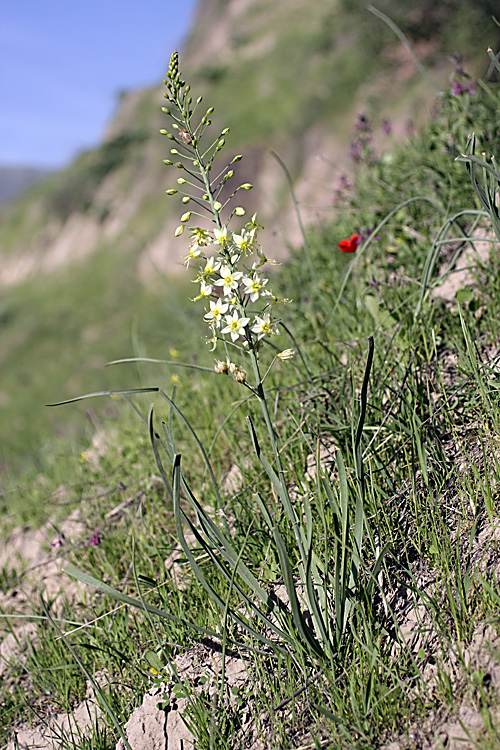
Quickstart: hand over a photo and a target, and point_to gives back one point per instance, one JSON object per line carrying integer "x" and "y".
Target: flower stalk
{"x": 239, "y": 306}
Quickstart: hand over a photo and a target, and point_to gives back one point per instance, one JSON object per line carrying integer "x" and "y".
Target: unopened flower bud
{"x": 217, "y": 206}
{"x": 186, "y": 199}
{"x": 173, "y": 65}
{"x": 179, "y": 231}
{"x": 246, "y": 186}
{"x": 171, "y": 191}
{"x": 186, "y": 216}
{"x": 239, "y": 211}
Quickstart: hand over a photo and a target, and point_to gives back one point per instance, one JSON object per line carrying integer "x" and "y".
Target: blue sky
{"x": 63, "y": 64}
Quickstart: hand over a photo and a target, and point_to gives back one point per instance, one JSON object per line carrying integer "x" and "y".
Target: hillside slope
{"x": 283, "y": 78}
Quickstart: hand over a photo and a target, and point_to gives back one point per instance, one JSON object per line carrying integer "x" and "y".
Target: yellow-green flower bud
{"x": 186, "y": 199}
{"x": 168, "y": 162}
{"x": 179, "y": 231}
{"x": 220, "y": 144}
{"x": 209, "y": 111}
{"x": 217, "y": 206}
{"x": 246, "y": 186}
{"x": 186, "y": 216}
{"x": 173, "y": 151}
{"x": 181, "y": 181}
{"x": 166, "y": 110}
{"x": 239, "y": 157}
{"x": 239, "y": 211}
{"x": 225, "y": 131}
{"x": 173, "y": 65}
{"x": 164, "y": 132}
{"x": 171, "y": 191}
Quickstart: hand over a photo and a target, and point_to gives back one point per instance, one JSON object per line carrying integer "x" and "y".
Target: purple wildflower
{"x": 94, "y": 539}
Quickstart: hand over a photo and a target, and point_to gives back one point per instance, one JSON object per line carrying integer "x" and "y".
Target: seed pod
{"x": 221, "y": 367}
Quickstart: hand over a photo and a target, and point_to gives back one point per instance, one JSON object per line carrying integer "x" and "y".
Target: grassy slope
{"x": 432, "y": 407}
{"x": 293, "y": 84}
{"x": 430, "y": 451}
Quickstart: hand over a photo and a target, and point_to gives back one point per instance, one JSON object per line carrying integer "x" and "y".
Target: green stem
{"x": 261, "y": 396}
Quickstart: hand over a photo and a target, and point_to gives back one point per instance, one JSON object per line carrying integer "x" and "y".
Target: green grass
{"x": 100, "y": 312}
{"x": 418, "y": 432}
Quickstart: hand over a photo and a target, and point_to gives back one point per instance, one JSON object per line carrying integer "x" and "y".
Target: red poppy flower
{"x": 350, "y": 245}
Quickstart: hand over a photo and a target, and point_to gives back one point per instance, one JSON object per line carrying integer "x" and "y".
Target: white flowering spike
{"x": 235, "y": 325}
{"x": 254, "y": 286}
{"x": 229, "y": 280}
{"x": 217, "y": 310}
{"x": 264, "y": 325}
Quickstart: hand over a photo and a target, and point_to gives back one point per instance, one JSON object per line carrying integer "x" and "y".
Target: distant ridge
{"x": 15, "y": 180}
